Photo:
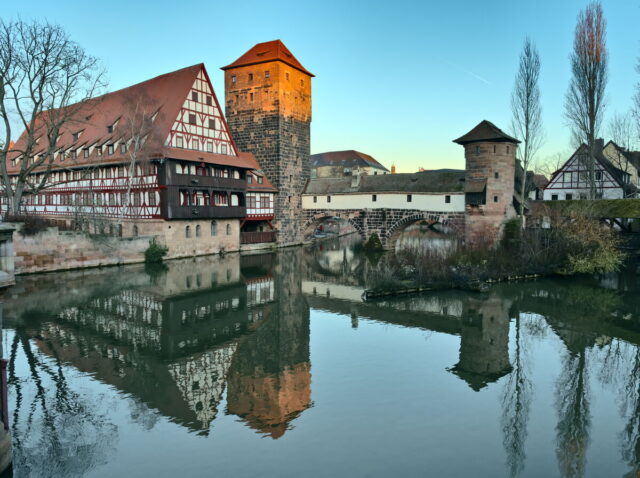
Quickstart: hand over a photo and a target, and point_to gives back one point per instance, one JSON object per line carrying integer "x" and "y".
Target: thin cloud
{"x": 468, "y": 72}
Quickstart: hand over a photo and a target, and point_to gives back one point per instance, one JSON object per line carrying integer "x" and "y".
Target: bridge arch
{"x": 353, "y": 218}
{"x": 431, "y": 218}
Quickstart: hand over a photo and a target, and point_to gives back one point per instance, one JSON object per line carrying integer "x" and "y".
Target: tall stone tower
{"x": 490, "y": 162}
{"x": 268, "y": 109}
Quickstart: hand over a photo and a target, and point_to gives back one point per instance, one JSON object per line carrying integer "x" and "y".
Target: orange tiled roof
{"x": 268, "y": 51}
{"x": 165, "y": 94}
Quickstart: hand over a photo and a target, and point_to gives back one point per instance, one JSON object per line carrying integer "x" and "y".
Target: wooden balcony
{"x": 257, "y": 237}
{"x": 207, "y": 212}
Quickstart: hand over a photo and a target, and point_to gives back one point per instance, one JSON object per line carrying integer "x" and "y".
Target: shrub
{"x": 373, "y": 243}
{"x": 154, "y": 253}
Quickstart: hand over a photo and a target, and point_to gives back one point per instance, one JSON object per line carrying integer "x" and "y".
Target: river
{"x": 270, "y": 365}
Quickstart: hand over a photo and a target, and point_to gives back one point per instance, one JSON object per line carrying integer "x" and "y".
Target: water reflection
{"x": 230, "y": 336}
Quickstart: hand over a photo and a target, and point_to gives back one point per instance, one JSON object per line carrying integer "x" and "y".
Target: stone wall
{"x": 54, "y": 249}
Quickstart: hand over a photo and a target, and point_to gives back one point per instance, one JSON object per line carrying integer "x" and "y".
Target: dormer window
{"x": 123, "y": 148}
{"x": 194, "y": 96}
{"x": 110, "y": 129}
{"x": 98, "y": 151}
{"x": 110, "y": 149}
{"x": 249, "y": 178}
{"x": 76, "y": 136}
{"x": 74, "y": 154}
{"x": 259, "y": 179}
{"x": 85, "y": 153}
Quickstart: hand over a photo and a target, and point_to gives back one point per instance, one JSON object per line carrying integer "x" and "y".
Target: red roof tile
{"x": 268, "y": 51}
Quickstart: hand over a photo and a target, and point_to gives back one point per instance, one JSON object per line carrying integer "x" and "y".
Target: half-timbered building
{"x": 156, "y": 158}
{"x": 571, "y": 181}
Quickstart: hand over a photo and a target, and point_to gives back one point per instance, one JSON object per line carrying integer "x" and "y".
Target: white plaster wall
{"x": 425, "y": 202}
{"x": 608, "y": 193}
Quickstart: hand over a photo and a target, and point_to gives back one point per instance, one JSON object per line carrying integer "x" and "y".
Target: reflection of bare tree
{"x": 516, "y": 403}
{"x": 56, "y": 431}
{"x": 574, "y": 419}
{"x": 630, "y": 436}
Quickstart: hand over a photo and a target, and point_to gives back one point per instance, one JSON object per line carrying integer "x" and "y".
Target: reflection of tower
{"x": 484, "y": 343}
{"x": 269, "y": 382}
{"x": 268, "y": 108}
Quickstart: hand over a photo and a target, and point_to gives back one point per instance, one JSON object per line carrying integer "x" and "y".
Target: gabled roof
{"x": 164, "y": 94}
{"x": 348, "y": 158}
{"x": 266, "y": 52}
{"x": 266, "y": 185}
{"x": 425, "y": 182}
{"x": 485, "y": 131}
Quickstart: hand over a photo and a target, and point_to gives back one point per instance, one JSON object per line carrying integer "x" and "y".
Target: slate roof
{"x": 425, "y": 182}
{"x": 348, "y": 159}
{"x": 165, "y": 94}
{"x": 268, "y": 51}
{"x": 485, "y": 131}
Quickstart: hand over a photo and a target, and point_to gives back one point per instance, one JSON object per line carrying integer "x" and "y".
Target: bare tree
{"x": 45, "y": 78}
{"x": 585, "y": 99}
{"x": 142, "y": 141}
{"x": 622, "y": 131}
{"x": 527, "y": 112}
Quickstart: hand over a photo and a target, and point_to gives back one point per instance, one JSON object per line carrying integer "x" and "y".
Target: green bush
{"x": 154, "y": 253}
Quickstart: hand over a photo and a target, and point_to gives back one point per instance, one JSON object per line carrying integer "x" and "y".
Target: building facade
{"x": 571, "y": 181}
{"x": 268, "y": 107}
{"x": 156, "y": 158}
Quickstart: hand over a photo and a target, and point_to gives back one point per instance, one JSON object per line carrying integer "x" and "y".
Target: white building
{"x": 571, "y": 180}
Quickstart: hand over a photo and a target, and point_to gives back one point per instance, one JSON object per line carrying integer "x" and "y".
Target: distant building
{"x": 336, "y": 164}
{"x": 612, "y": 182}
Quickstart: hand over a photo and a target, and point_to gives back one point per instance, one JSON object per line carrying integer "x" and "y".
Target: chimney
{"x": 393, "y": 169}
{"x": 599, "y": 145}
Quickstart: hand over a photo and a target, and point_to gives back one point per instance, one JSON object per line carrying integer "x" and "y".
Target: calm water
{"x": 271, "y": 366}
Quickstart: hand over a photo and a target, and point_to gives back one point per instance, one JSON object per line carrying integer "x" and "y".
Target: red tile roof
{"x": 485, "y": 131}
{"x": 266, "y": 52}
{"x": 165, "y": 94}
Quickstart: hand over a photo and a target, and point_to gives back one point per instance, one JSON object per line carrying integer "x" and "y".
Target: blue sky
{"x": 397, "y": 80}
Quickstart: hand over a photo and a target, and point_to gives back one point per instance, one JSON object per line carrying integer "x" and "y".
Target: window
{"x": 110, "y": 129}
{"x": 374, "y": 197}
{"x": 123, "y": 148}
{"x": 250, "y": 76}
{"x": 554, "y": 197}
{"x": 187, "y": 231}
{"x": 250, "y": 96}
{"x": 214, "y": 228}
{"x": 107, "y": 173}
{"x": 495, "y": 198}
{"x": 477, "y": 149}
{"x": 224, "y": 149}
{"x": 228, "y": 229}
{"x": 192, "y": 118}
{"x": 194, "y": 96}
{"x": 76, "y": 136}
{"x": 286, "y": 75}
{"x": 259, "y": 179}
{"x": 267, "y": 74}
{"x": 152, "y": 199}
{"x": 110, "y": 149}
{"x": 209, "y": 101}
{"x": 212, "y": 123}
{"x": 98, "y": 151}
{"x": 233, "y": 79}
{"x": 74, "y": 154}
{"x": 496, "y": 175}
{"x": 120, "y": 171}
{"x": 598, "y": 175}
{"x": 209, "y": 147}
{"x": 198, "y": 230}
{"x": 568, "y": 196}
{"x": 179, "y": 142}
{"x": 315, "y": 199}
{"x": 85, "y": 153}
{"x": 494, "y": 148}
{"x": 447, "y": 199}
{"x": 328, "y": 198}
{"x": 409, "y": 197}
{"x": 508, "y": 149}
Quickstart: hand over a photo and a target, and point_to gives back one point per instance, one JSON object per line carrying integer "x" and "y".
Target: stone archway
{"x": 432, "y": 219}
{"x": 314, "y": 219}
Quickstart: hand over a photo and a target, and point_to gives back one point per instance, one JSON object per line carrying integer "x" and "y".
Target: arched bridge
{"x": 386, "y": 223}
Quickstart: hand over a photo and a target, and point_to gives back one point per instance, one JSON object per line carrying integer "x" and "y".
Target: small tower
{"x": 268, "y": 109}
{"x": 490, "y": 162}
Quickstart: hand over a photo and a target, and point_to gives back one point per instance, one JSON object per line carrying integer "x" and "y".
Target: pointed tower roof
{"x": 485, "y": 131}
{"x": 266, "y": 52}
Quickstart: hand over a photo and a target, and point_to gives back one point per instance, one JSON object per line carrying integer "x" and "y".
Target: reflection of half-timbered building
{"x": 155, "y": 158}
